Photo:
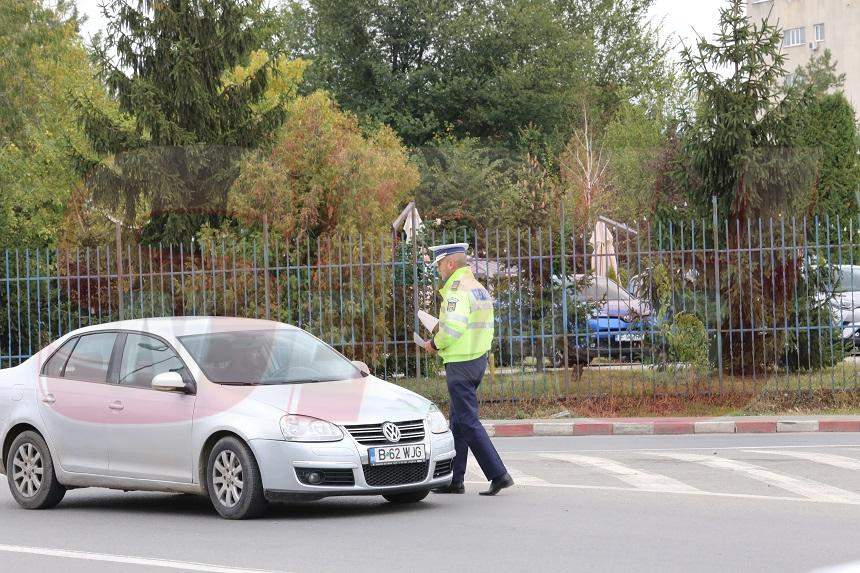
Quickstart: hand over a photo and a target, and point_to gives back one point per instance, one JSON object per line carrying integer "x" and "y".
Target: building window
{"x": 819, "y": 32}
{"x": 793, "y": 37}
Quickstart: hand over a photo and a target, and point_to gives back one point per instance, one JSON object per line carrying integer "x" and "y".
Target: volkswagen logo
{"x": 391, "y": 432}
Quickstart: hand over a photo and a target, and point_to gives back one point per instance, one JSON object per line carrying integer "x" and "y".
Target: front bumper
{"x": 278, "y": 461}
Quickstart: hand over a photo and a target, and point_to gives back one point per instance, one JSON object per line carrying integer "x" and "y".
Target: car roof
{"x": 175, "y": 326}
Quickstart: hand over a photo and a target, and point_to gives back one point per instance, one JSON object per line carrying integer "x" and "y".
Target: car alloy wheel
{"x": 27, "y": 470}
{"x": 30, "y": 473}
{"x": 227, "y": 477}
{"x": 233, "y": 480}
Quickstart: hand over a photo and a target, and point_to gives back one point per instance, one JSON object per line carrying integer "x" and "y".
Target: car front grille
{"x": 396, "y": 474}
{"x": 443, "y": 468}
{"x": 371, "y": 434}
{"x": 331, "y": 477}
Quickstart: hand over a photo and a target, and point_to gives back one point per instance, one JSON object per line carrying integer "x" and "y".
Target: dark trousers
{"x": 463, "y": 380}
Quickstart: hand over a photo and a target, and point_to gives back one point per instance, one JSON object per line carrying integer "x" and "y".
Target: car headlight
{"x": 297, "y": 428}
{"x": 436, "y": 421}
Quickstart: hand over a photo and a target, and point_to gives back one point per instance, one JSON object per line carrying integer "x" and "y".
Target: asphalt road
{"x": 786, "y": 502}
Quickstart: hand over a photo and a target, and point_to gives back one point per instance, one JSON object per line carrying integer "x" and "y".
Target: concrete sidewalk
{"x": 667, "y": 426}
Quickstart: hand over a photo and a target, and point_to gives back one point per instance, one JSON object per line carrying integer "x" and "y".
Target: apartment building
{"x": 811, "y": 26}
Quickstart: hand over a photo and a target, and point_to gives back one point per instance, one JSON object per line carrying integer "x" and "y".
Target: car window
{"x": 55, "y": 364}
{"x": 284, "y": 356}
{"x": 145, "y": 357}
{"x": 90, "y": 358}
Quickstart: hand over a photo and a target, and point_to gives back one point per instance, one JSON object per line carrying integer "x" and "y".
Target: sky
{"x": 679, "y": 18}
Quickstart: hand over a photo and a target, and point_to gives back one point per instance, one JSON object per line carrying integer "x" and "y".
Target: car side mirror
{"x": 168, "y": 382}
{"x": 361, "y": 366}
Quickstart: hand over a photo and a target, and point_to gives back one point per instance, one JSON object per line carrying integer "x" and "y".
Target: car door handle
{"x": 116, "y": 405}
{"x": 48, "y": 399}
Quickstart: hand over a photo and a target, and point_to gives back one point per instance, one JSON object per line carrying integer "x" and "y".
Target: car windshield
{"x": 281, "y": 356}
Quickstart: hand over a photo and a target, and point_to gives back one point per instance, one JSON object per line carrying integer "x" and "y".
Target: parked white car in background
{"x": 244, "y": 411}
{"x": 846, "y": 294}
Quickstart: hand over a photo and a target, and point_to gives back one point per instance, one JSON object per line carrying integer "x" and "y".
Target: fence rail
{"x": 695, "y": 306}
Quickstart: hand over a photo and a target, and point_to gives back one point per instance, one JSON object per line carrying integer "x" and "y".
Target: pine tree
{"x": 174, "y": 154}
{"x": 740, "y": 140}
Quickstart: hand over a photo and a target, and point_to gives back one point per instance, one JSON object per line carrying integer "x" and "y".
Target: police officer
{"x": 463, "y": 339}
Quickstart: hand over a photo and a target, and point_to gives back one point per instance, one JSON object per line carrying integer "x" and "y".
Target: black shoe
{"x": 498, "y": 485}
{"x": 453, "y": 487}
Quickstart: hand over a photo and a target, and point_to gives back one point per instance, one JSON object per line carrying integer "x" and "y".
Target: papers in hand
{"x": 417, "y": 339}
{"x": 429, "y": 321}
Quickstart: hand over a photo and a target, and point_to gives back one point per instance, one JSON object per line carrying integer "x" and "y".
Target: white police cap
{"x": 442, "y": 251}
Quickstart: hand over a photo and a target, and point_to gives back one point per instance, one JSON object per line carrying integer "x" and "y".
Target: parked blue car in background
{"x": 606, "y": 321}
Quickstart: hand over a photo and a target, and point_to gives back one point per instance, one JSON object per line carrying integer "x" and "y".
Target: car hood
{"x": 362, "y": 401}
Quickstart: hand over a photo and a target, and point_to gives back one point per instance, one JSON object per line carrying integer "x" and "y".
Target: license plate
{"x": 629, "y": 338}
{"x": 396, "y": 454}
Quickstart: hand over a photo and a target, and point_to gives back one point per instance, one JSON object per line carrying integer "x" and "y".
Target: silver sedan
{"x": 243, "y": 411}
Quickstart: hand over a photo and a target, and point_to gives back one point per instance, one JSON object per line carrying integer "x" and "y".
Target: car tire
{"x": 30, "y": 456}
{"x": 233, "y": 480}
{"x": 406, "y": 497}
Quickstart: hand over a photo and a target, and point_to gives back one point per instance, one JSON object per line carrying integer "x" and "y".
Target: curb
{"x": 663, "y": 427}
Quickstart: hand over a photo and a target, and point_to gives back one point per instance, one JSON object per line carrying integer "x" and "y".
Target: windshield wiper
{"x": 300, "y": 381}
{"x": 239, "y": 383}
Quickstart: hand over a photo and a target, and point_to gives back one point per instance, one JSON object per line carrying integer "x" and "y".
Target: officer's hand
{"x": 428, "y": 346}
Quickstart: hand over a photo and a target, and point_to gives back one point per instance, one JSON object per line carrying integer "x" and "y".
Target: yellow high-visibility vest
{"x": 465, "y": 320}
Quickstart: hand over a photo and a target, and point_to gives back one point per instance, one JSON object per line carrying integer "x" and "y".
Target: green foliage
{"x": 739, "y": 141}
{"x": 43, "y": 62}
{"x": 829, "y": 133}
{"x": 477, "y": 68}
{"x": 688, "y": 340}
{"x": 634, "y": 141}
{"x": 464, "y": 183}
{"x": 818, "y": 76}
{"x": 323, "y": 175}
{"x": 174, "y": 156}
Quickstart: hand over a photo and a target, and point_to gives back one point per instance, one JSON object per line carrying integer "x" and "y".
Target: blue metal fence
{"x": 695, "y": 306}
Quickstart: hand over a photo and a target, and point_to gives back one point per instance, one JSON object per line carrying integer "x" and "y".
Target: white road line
{"x": 818, "y": 457}
{"x": 636, "y": 478}
{"x": 698, "y": 493}
{"x": 124, "y": 559}
{"x": 473, "y": 470}
{"x": 807, "y": 488}
{"x": 693, "y": 449}
{"x": 522, "y": 478}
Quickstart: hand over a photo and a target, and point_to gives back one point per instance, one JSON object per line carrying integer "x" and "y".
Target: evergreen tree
{"x": 473, "y": 68}
{"x": 740, "y": 140}
{"x": 174, "y": 154}
{"x": 827, "y": 133}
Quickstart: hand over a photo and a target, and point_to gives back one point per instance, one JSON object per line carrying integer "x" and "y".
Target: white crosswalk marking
{"x": 634, "y": 477}
{"x": 817, "y": 457}
{"x": 523, "y": 478}
{"x": 807, "y": 488}
{"x": 473, "y": 471}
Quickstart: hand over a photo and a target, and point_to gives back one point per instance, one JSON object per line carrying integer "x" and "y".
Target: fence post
{"x": 266, "y": 262}
{"x": 118, "y": 237}
{"x": 564, "y": 326}
{"x": 415, "y": 286}
{"x": 719, "y": 317}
